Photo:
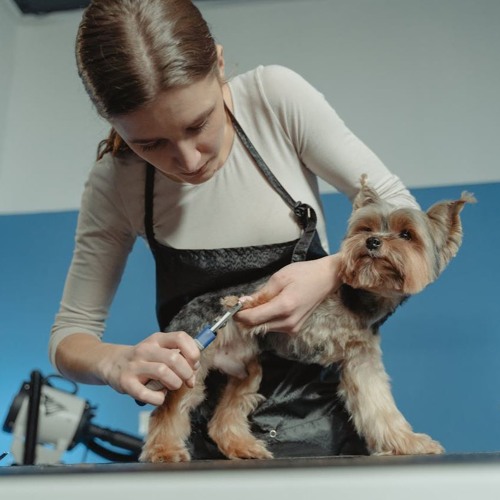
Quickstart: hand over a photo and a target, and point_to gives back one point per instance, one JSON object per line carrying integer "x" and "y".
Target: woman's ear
{"x": 220, "y": 62}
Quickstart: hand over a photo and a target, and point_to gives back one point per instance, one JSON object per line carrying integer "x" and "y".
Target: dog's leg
{"x": 229, "y": 426}
{"x": 170, "y": 426}
{"x": 366, "y": 390}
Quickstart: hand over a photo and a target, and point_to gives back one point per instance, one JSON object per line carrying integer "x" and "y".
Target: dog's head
{"x": 399, "y": 251}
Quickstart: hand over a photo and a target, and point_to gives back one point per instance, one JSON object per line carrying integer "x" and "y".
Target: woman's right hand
{"x": 171, "y": 358}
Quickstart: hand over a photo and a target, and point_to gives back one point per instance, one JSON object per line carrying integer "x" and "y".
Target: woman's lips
{"x": 197, "y": 173}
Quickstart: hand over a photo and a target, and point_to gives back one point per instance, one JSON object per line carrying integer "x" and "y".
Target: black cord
{"x": 124, "y": 441}
{"x": 112, "y": 456}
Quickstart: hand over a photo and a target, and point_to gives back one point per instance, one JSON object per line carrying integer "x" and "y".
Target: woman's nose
{"x": 187, "y": 156}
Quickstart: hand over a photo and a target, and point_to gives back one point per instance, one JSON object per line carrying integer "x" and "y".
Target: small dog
{"x": 387, "y": 255}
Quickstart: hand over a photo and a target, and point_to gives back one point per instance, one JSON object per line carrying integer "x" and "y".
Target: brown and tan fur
{"x": 388, "y": 254}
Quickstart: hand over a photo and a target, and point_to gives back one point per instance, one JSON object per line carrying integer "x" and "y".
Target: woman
{"x": 208, "y": 171}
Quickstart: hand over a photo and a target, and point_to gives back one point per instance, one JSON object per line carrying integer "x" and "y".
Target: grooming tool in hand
{"x": 203, "y": 339}
{"x": 207, "y": 335}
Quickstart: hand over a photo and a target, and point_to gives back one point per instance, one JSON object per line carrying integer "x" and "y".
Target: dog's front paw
{"x": 161, "y": 453}
{"x": 247, "y": 301}
{"x": 229, "y": 301}
{"x": 412, "y": 444}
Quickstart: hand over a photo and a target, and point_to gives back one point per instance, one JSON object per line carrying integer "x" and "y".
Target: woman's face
{"x": 184, "y": 132}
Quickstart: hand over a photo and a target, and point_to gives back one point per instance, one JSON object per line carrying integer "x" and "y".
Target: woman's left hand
{"x": 291, "y": 294}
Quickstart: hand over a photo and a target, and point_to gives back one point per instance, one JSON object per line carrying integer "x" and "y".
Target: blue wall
{"x": 441, "y": 348}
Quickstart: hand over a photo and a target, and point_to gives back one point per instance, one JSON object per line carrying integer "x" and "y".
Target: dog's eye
{"x": 406, "y": 235}
{"x": 365, "y": 229}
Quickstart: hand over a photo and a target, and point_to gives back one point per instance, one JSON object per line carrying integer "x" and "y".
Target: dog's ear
{"x": 446, "y": 226}
{"x": 366, "y": 195}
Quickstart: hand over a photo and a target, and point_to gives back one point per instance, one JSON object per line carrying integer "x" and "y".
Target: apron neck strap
{"x": 304, "y": 213}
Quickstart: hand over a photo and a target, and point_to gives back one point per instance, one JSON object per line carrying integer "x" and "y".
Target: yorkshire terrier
{"x": 387, "y": 255}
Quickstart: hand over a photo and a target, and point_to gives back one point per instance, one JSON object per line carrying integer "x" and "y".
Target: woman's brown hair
{"x": 128, "y": 51}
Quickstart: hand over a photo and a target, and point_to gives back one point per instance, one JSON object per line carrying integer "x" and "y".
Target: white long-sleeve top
{"x": 297, "y": 133}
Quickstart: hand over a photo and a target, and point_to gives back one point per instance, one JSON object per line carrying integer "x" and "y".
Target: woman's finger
{"x": 141, "y": 392}
{"x": 179, "y": 342}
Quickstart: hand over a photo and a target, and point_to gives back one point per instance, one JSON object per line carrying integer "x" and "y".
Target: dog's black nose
{"x": 373, "y": 243}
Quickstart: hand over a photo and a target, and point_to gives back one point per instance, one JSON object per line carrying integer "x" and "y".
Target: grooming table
{"x": 462, "y": 476}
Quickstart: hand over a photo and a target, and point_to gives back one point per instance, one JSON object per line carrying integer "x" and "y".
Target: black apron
{"x": 302, "y": 414}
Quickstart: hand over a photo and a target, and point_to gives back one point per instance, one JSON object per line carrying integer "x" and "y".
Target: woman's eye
{"x": 406, "y": 235}
{"x": 198, "y": 128}
{"x": 151, "y": 146}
